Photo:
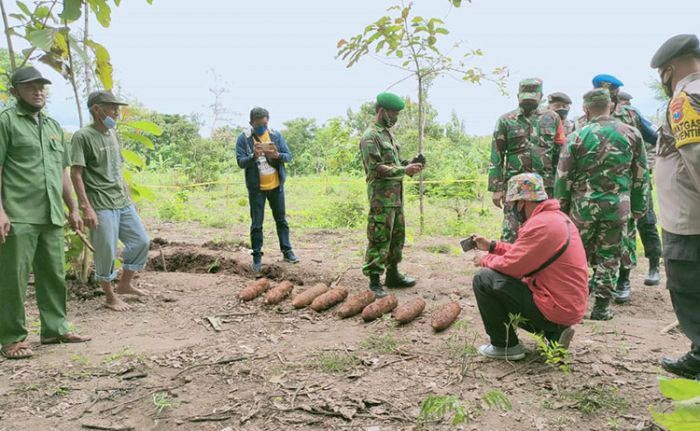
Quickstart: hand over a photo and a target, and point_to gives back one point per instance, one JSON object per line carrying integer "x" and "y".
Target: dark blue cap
{"x": 603, "y": 78}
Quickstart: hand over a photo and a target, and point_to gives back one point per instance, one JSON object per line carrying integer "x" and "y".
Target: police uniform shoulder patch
{"x": 685, "y": 120}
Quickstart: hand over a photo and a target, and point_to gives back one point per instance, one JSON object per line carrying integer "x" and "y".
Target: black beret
{"x": 624, "y": 96}
{"x": 559, "y": 97}
{"x": 676, "y": 46}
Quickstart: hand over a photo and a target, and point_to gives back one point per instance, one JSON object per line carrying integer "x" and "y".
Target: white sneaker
{"x": 514, "y": 353}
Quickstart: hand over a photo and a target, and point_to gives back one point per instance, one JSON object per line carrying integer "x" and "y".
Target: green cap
{"x": 530, "y": 89}
{"x": 103, "y": 97}
{"x": 27, "y": 74}
{"x": 597, "y": 95}
{"x": 390, "y": 101}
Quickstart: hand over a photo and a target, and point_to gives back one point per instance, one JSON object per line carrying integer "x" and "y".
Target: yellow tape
{"x": 359, "y": 180}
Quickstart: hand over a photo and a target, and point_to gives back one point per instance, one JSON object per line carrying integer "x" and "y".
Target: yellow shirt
{"x": 269, "y": 177}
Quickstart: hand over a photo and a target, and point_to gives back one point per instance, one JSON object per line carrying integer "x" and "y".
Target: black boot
{"x": 623, "y": 293}
{"x": 653, "y": 278}
{"x": 601, "y": 310}
{"x": 395, "y": 279}
{"x": 686, "y": 366}
{"x": 375, "y": 285}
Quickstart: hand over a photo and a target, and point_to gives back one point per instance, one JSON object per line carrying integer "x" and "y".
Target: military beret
{"x": 676, "y": 46}
{"x": 103, "y": 97}
{"x": 390, "y": 101}
{"x": 530, "y": 88}
{"x": 597, "y": 95}
{"x": 258, "y": 112}
{"x": 602, "y": 79}
{"x": 559, "y": 97}
{"x": 624, "y": 96}
{"x": 27, "y": 74}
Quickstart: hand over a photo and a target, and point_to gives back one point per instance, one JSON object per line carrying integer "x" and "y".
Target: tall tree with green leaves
{"x": 409, "y": 42}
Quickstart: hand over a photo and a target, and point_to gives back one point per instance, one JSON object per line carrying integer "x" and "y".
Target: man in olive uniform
{"x": 104, "y": 198}
{"x": 561, "y": 104}
{"x": 385, "y": 172}
{"x": 678, "y": 187}
{"x": 527, "y": 139}
{"x": 33, "y": 158}
{"x": 601, "y": 182}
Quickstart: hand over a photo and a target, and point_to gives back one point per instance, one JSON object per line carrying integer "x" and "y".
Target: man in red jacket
{"x": 543, "y": 276}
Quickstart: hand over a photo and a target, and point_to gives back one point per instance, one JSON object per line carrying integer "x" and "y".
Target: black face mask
{"x": 387, "y": 121}
{"x": 562, "y": 113}
{"x": 529, "y": 106}
{"x": 28, "y": 106}
{"x": 519, "y": 214}
{"x": 668, "y": 87}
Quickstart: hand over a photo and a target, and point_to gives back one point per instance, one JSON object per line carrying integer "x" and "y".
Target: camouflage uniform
{"x": 523, "y": 144}
{"x": 385, "y": 224}
{"x": 602, "y": 181}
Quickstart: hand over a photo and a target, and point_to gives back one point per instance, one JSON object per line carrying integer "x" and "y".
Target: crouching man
{"x": 543, "y": 276}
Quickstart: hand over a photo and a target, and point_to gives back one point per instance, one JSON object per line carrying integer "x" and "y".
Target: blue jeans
{"x": 257, "y": 199}
{"x": 118, "y": 225}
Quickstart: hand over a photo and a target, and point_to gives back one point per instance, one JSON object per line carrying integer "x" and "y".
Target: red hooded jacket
{"x": 560, "y": 290}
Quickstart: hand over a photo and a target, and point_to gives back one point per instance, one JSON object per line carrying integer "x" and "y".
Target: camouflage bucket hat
{"x": 526, "y": 187}
{"x": 530, "y": 89}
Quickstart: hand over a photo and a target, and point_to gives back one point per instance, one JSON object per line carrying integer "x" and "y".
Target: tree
{"x": 410, "y": 43}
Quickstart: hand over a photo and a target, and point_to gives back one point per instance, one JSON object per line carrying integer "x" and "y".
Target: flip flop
{"x": 10, "y": 351}
{"x": 65, "y": 338}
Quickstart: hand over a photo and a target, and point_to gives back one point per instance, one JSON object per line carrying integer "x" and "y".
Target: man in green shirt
{"x": 33, "y": 158}
{"x": 105, "y": 201}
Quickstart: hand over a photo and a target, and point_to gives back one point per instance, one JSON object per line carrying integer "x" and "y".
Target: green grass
{"x": 590, "y": 400}
{"x": 335, "y": 362}
{"x": 381, "y": 343}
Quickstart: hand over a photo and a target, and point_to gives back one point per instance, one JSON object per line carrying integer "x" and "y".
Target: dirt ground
{"x": 163, "y": 365}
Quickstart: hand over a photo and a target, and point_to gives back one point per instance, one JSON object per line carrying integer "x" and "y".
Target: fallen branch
{"x": 222, "y": 361}
{"x": 520, "y": 368}
{"x": 107, "y": 428}
{"x": 670, "y": 327}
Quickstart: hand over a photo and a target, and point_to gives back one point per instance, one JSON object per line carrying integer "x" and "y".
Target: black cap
{"x": 559, "y": 97}
{"x": 105, "y": 97}
{"x": 676, "y": 46}
{"x": 258, "y": 112}
{"x": 624, "y": 96}
{"x": 27, "y": 74}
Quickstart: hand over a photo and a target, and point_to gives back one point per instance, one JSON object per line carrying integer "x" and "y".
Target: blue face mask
{"x": 260, "y": 130}
{"x": 109, "y": 122}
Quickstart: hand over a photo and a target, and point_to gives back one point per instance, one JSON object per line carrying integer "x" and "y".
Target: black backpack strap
{"x": 556, "y": 255}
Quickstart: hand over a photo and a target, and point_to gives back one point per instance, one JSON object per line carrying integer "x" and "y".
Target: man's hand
{"x": 413, "y": 169}
{"x": 90, "y": 218}
{"x": 498, "y": 199}
{"x": 74, "y": 220}
{"x": 476, "y": 260}
{"x": 482, "y": 243}
{"x": 272, "y": 154}
{"x": 258, "y": 150}
{"x": 4, "y": 226}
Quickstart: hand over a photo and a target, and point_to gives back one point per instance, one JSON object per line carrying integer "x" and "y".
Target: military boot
{"x": 375, "y": 285}
{"x": 601, "y": 310}
{"x": 623, "y": 292}
{"x": 396, "y": 279}
{"x": 653, "y": 278}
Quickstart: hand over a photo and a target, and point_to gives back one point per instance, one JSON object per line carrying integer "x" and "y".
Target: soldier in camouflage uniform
{"x": 561, "y": 104}
{"x": 385, "y": 172}
{"x": 527, "y": 139}
{"x": 601, "y": 182}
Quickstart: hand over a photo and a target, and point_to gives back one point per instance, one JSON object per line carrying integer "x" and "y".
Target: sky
{"x": 280, "y": 54}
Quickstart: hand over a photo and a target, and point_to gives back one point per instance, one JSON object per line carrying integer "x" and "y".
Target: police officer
{"x": 678, "y": 186}
{"x": 385, "y": 171}
{"x": 33, "y": 177}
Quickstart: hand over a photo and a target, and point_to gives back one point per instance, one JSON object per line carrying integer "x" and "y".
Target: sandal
{"x": 14, "y": 350}
{"x": 65, "y": 338}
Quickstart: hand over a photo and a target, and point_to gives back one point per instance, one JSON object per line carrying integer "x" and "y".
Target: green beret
{"x": 597, "y": 95}
{"x": 675, "y": 47}
{"x": 390, "y": 101}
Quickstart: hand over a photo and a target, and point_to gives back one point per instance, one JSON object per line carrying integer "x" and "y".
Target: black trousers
{"x": 648, "y": 232}
{"x": 682, "y": 262}
{"x": 497, "y": 295}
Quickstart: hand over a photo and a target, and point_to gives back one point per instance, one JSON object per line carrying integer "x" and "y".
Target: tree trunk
{"x": 10, "y": 50}
{"x": 421, "y": 127}
{"x": 88, "y": 66}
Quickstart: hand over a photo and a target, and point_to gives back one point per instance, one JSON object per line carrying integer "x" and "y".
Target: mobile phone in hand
{"x": 420, "y": 158}
{"x": 468, "y": 243}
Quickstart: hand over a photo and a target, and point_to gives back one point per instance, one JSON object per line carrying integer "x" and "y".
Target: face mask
{"x": 260, "y": 130}
{"x": 529, "y": 106}
{"x": 668, "y": 85}
{"x": 28, "y": 106}
{"x": 519, "y": 214}
{"x": 562, "y": 113}
{"x": 388, "y": 121}
{"x": 109, "y": 122}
